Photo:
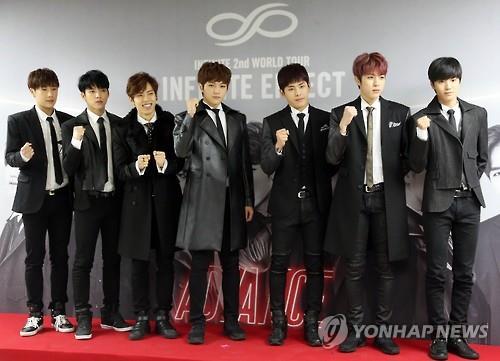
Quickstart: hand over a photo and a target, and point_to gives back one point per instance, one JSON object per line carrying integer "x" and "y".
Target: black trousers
{"x": 372, "y": 230}
{"x": 230, "y": 276}
{"x": 164, "y": 250}
{"x": 54, "y": 217}
{"x": 103, "y": 215}
{"x": 310, "y": 226}
{"x": 462, "y": 220}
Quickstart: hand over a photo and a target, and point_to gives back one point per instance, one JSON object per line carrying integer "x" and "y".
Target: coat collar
{"x": 434, "y": 109}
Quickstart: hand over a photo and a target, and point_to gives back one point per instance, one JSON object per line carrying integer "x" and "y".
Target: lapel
{"x": 232, "y": 128}
{"x": 359, "y": 120}
{"x": 314, "y": 127}
{"x": 288, "y": 123}
{"x": 385, "y": 117}
{"x": 467, "y": 119}
{"x": 207, "y": 124}
{"x": 36, "y": 128}
{"x": 434, "y": 110}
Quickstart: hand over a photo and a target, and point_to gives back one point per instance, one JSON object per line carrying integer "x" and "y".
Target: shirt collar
{"x": 94, "y": 117}
{"x": 445, "y": 108}
{"x": 144, "y": 121}
{"x": 364, "y": 104}
{"x": 217, "y": 107}
{"x": 42, "y": 115}
{"x": 296, "y": 111}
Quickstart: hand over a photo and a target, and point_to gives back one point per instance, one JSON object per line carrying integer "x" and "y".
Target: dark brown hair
{"x": 214, "y": 72}
{"x": 41, "y": 78}
{"x": 137, "y": 83}
{"x": 292, "y": 73}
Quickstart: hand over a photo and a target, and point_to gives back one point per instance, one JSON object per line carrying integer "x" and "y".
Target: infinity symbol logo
{"x": 251, "y": 25}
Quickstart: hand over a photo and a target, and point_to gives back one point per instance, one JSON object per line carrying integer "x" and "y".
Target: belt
{"x": 379, "y": 187}
{"x": 304, "y": 193}
{"x": 53, "y": 192}
{"x": 461, "y": 193}
{"x": 97, "y": 194}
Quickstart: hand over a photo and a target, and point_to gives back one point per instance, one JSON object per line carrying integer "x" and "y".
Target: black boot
{"x": 196, "y": 335}
{"x": 352, "y": 342}
{"x": 311, "y": 329}
{"x": 233, "y": 330}
{"x": 460, "y": 347}
{"x": 163, "y": 325}
{"x": 112, "y": 319}
{"x": 279, "y": 328}
{"x": 84, "y": 326}
{"x": 141, "y": 327}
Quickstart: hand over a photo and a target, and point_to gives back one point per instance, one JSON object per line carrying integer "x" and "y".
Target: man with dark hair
{"x": 43, "y": 197}
{"x": 451, "y": 143}
{"x": 367, "y": 141}
{"x": 300, "y": 196}
{"x": 88, "y": 157}
{"x": 218, "y": 196}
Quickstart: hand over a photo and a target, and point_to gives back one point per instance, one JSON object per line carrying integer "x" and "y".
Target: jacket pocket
{"x": 472, "y": 155}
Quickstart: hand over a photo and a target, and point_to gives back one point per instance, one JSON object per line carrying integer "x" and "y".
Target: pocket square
{"x": 394, "y": 124}
{"x": 324, "y": 127}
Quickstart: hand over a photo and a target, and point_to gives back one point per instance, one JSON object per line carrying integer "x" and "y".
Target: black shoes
{"x": 196, "y": 335}
{"x": 111, "y": 319}
{"x": 438, "y": 349}
{"x": 311, "y": 329}
{"x": 33, "y": 325}
{"x": 233, "y": 330}
{"x": 84, "y": 326}
{"x": 141, "y": 327}
{"x": 279, "y": 329}
{"x": 58, "y": 318}
{"x": 386, "y": 345}
{"x": 163, "y": 326}
{"x": 351, "y": 343}
{"x": 459, "y": 347}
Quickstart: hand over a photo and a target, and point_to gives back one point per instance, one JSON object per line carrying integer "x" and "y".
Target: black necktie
{"x": 452, "y": 119}
{"x": 149, "y": 132}
{"x": 55, "y": 151}
{"x": 300, "y": 126}
{"x": 103, "y": 144}
{"x": 219, "y": 125}
{"x": 369, "y": 153}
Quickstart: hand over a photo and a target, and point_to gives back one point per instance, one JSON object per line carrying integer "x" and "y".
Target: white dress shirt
{"x": 222, "y": 117}
{"x": 378, "y": 170}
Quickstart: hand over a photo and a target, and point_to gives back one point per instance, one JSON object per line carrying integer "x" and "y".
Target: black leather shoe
{"x": 111, "y": 319}
{"x": 84, "y": 324}
{"x": 163, "y": 326}
{"x": 386, "y": 345}
{"x": 141, "y": 327}
{"x": 311, "y": 329}
{"x": 196, "y": 335}
{"x": 351, "y": 343}
{"x": 279, "y": 329}
{"x": 437, "y": 349}
{"x": 233, "y": 330}
{"x": 460, "y": 347}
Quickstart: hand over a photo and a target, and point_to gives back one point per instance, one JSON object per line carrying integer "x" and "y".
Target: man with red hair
{"x": 367, "y": 142}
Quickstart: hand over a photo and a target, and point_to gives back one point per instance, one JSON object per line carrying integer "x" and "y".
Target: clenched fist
{"x": 159, "y": 158}
{"x": 78, "y": 132}
{"x": 27, "y": 151}
{"x": 423, "y": 122}
{"x": 142, "y": 161}
{"x": 349, "y": 113}
{"x": 281, "y": 138}
{"x": 191, "y": 105}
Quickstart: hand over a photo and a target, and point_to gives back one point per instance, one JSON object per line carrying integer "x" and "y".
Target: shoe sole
{"x": 360, "y": 344}
{"x": 30, "y": 333}
{"x": 196, "y": 342}
{"x": 123, "y": 329}
{"x": 83, "y": 337}
{"x": 64, "y": 330}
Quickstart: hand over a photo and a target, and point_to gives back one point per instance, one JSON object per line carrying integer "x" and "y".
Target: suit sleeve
{"x": 337, "y": 142}
{"x": 247, "y": 168}
{"x": 270, "y": 160}
{"x": 123, "y": 160}
{"x": 482, "y": 145}
{"x": 72, "y": 157}
{"x": 14, "y": 145}
{"x": 175, "y": 164}
{"x": 183, "y": 135}
{"x": 418, "y": 149}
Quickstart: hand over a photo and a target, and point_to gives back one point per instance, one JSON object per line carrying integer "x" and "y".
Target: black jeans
{"x": 164, "y": 250}
{"x": 462, "y": 220}
{"x": 230, "y": 276}
{"x": 372, "y": 227}
{"x": 54, "y": 217}
{"x": 311, "y": 228}
{"x": 104, "y": 216}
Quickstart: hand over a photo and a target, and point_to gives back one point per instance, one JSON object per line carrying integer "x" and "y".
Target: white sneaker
{"x": 62, "y": 324}
{"x": 33, "y": 325}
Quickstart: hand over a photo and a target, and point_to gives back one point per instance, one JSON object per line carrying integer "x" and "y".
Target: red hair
{"x": 373, "y": 63}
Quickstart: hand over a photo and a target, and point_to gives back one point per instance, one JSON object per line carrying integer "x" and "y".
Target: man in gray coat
{"x": 218, "y": 196}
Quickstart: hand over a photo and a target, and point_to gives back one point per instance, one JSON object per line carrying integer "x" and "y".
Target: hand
{"x": 349, "y": 113}
{"x": 191, "y": 105}
{"x": 27, "y": 151}
{"x": 78, "y": 132}
{"x": 281, "y": 138}
{"x": 159, "y": 158}
{"x": 248, "y": 213}
{"x": 142, "y": 161}
{"x": 423, "y": 122}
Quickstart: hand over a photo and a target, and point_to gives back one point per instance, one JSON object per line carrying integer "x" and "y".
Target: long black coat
{"x": 210, "y": 166}
{"x": 442, "y": 155}
{"x": 349, "y": 153}
{"x": 138, "y": 202}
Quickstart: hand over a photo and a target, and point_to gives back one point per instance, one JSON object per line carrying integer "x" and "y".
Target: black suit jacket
{"x": 283, "y": 201}
{"x": 85, "y": 165}
{"x": 138, "y": 203}
{"x": 21, "y": 128}
{"x": 349, "y": 153}
{"x": 442, "y": 155}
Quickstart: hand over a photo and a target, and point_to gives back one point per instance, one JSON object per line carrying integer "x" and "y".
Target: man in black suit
{"x": 146, "y": 163}
{"x": 43, "y": 197}
{"x": 367, "y": 142}
{"x": 88, "y": 157}
{"x": 218, "y": 197}
{"x": 293, "y": 148}
{"x": 451, "y": 143}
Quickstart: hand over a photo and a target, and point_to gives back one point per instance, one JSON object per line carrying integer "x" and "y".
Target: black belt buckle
{"x": 374, "y": 188}
{"x": 51, "y": 192}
